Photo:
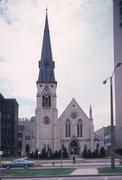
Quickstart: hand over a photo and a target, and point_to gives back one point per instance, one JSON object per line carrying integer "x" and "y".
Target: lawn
{"x": 97, "y": 158}
{"x": 35, "y": 172}
{"x": 108, "y": 170}
{"x": 46, "y": 159}
{"x": 9, "y": 158}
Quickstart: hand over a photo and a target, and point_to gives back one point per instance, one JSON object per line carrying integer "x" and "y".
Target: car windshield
{"x": 19, "y": 161}
{"x": 24, "y": 161}
{"x": 15, "y": 161}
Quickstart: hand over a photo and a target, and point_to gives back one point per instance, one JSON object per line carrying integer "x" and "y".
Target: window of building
{"x": 120, "y": 3}
{"x": 46, "y": 100}
{"x": 4, "y": 124}
{"x": 73, "y": 115}
{"x": 19, "y": 144}
{"x": 4, "y": 115}
{"x": 8, "y": 115}
{"x": 20, "y": 135}
{"x": 8, "y": 124}
{"x": 4, "y": 133}
{"x": 4, "y": 142}
{"x": 79, "y": 128}
{"x": 46, "y": 120}
{"x": 9, "y": 133}
{"x": 21, "y": 127}
{"x": 68, "y": 128}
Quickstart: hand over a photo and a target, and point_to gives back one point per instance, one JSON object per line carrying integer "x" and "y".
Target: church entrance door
{"x": 74, "y": 149}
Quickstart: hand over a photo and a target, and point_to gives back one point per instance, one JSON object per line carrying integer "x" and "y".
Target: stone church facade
{"x": 76, "y": 130}
{"x": 73, "y": 129}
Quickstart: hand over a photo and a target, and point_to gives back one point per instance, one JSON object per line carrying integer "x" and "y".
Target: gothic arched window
{"x": 79, "y": 128}
{"x": 68, "y": 128}
{"x": 46, "y": 100}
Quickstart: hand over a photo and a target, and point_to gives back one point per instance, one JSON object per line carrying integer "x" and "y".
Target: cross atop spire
{"x": 46, "y": 8}
{"x": 46, "y": 63}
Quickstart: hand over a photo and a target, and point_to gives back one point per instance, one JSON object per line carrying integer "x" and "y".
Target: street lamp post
{"x": 112, "y": 116}
{"x": 61, "y": 157}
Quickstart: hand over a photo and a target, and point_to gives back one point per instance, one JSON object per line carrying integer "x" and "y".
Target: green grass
{"x": 46, "y": 159}
{"x": 109, "y": 170}
{"x": 35, "y": 172}
{"x": 97, "y": 158}
{"x": 9, "y": 158}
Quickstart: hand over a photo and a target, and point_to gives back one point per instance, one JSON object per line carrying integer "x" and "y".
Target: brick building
{"x": 8, "y": 126}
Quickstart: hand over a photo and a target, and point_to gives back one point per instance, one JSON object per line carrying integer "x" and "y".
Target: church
{"x": 73, "y": 129}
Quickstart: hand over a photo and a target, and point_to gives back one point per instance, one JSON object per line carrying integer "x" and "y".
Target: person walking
{"x": 74, "y": 159}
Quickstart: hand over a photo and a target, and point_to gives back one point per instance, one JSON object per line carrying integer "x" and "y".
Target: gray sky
{"x": 82, "y": 45}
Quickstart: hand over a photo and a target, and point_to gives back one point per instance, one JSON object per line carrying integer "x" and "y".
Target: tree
{"x": 97, "y": 150}
{"x": 96, "y": 153}
{"x": 36, "y": 154}
{"x": 102, "y": 151}
{"x": 84, "y": 153}
{"x": 89, "y": 154}
{"x": 55, "y": 154}
{"x": 93, "y": 154}
{"x": 49, "y": 153}
{"x": 43, "y": 153}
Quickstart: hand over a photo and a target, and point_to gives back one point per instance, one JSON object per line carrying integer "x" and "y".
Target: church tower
{"x": 46, "y": 108}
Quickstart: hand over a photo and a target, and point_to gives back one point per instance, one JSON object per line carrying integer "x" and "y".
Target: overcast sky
{"x": 82, "y": 45}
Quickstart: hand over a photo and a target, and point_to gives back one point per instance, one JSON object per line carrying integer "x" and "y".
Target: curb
{"x": 58, "y": 176}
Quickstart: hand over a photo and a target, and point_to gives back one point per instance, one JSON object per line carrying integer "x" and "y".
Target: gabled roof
{"x": 97, "y": 138}
{"x": 74, "y": 106}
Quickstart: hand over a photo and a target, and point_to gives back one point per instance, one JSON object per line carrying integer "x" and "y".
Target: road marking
{"x": 105, "y": 178}
{"x": 60, "y": 179}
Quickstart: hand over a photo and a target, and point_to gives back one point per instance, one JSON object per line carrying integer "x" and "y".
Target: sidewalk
{"x": 84, "y": 171}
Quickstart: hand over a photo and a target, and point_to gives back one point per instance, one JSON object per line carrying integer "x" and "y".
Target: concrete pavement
{"x": 79, "y": 163}
{"x": 85, "y": 171}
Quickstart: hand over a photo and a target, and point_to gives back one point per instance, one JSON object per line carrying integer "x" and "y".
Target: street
{"x": 72, "y": 178}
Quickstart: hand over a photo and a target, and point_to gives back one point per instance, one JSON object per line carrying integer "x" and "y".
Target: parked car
{"x": 18, "y": 163}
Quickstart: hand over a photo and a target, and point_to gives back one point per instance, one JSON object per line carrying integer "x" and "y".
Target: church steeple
{"x": 90, "y": 113}
{"x": 46, "y": 63}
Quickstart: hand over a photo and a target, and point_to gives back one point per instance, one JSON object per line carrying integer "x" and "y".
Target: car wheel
{"x": 8, "y": 167}
{"x": 26, "y": 166}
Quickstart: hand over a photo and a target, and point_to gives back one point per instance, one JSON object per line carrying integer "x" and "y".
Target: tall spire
{"x": 90, "y": 112}
{"x": 46, "y": 63}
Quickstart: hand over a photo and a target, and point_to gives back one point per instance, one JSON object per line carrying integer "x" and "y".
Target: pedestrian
{"x": 74, "y": 159}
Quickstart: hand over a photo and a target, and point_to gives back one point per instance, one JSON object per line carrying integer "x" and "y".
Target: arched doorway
{"x": 74, "y": 148}
{"x": 27, "y": 149}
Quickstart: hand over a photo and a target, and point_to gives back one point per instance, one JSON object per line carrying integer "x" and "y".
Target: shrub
{"x": 32, "y": 155}
{"x": 43, "y": 153}
{"x": 64, "y": 153}
{"x": 84, "y": 153}
{"x": 89, "y": 154}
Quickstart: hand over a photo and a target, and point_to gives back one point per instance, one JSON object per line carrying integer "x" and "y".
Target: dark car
{"x": 18, "y": 163}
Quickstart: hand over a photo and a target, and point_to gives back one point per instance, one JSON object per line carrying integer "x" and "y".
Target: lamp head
{"x": 104, "y": 82}
{"x": 119, "y": 64}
